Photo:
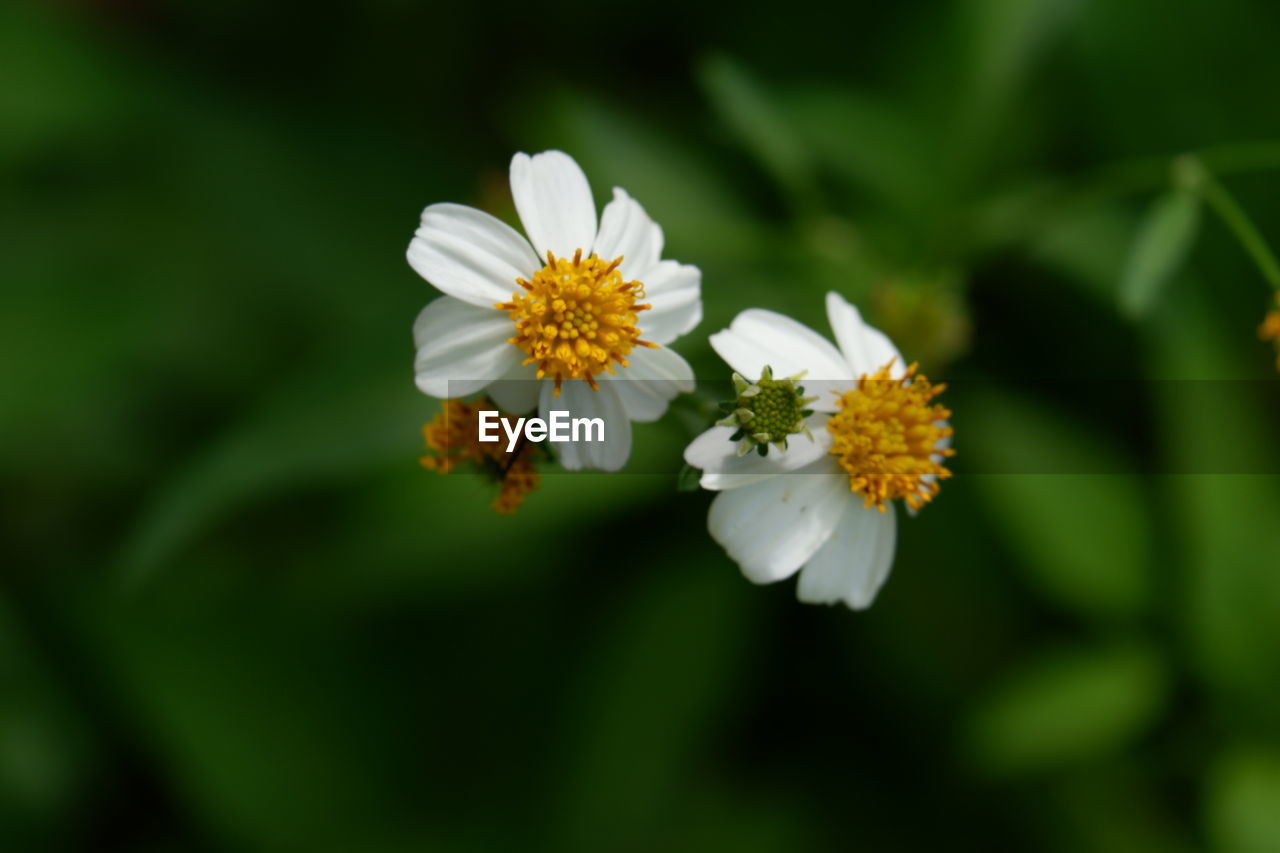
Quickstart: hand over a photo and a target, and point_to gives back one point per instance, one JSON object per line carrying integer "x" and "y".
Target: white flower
{"x": 822, "y": 506}
{"x": 560, "y": 323}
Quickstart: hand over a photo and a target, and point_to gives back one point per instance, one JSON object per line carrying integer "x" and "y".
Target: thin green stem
{"x": 1241, "y": 157}
{"x": 1148, "y": 173}
{"x": 1235, "y": 218}
{"x": 1041, "y": 206}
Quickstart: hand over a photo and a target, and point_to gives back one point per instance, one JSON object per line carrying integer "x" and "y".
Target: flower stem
{"x": 1234, "y": 217}
{"x": 1059, "y": 198}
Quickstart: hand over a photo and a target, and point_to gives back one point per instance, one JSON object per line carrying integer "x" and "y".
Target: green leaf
{"x": 1067, "y": 708}
{"x": 1243, "y": 228}
{"x": 1003, "y": 41}
{"x": 1086, "y": 245}
{"x": 747, "y": 109}
{"x": 1242, "y": 802}
{"x": 1165, "y": 238}
{"x": 687, "y": 479}
{"x": 321, "y": 429}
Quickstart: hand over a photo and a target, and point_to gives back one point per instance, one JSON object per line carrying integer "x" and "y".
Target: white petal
{"x": 758, "y": 338}
{"x": 723, "y": 468}
{"x": 461, "y": 348}
{"x": 469, "y": 254}
{"x": 554, "y": 201}
{"x": 517, "y": 391}
{"x": 652, "y": 378}
{"x": 626, "y": 230}
{"x": 865, "y": 348}
{"x": 577, "y": 398}
{"x": 774, "y": 527}
{"x": 675, "y": 293}
{"x": 855, "y": 562}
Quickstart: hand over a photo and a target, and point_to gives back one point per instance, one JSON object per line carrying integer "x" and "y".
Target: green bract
{"x": 766, "y": 412}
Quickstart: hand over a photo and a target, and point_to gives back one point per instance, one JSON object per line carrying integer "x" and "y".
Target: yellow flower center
{"x": 886, "y": 437}
{"x": 576, "y": 318}
{"x": 1270, "y": 330}
{"x": 453, "y": 438}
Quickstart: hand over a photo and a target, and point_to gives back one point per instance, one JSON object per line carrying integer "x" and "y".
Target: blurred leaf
{"x": 1088, "y": 246}
{"x": 687, "y": 479}
{"x": 1242, "y": 802}
{"x": 1005, "y": 38}
{"x": 1241, "y": 225}
{"x": 757, "y": 125}
{"x": 315, "y": 431}
{"x": 1083, "y": 539}
{"x": 1068, "y": 708}
{"x": 1164, "y": 240}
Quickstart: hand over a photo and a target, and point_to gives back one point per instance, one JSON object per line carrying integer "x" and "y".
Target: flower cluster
{"x": 580, "y": 313}
{"x": 451, "y": 439}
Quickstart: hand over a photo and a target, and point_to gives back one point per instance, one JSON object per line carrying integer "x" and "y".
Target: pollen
{"x": 1270, "y": 329}
{"x": 577, "y": 318}
{"x": 886, "y": 436}
{"x": 452, "y": 439}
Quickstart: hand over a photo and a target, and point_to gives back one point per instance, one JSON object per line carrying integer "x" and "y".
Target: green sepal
{"x": 687, "y": 479}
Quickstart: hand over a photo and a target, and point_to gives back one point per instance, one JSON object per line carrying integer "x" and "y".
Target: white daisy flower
{"x": 863, "y": 431}
{"x": 559, "y": 320}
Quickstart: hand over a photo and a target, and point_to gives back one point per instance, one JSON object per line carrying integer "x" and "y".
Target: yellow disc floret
{"x": 576, "y": 318}
{"x": 1270, "y": 329}
{"x": 452, "y": 439}
{"x": 886, "y": 436}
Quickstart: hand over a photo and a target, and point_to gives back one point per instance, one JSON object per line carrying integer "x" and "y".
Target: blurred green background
{"x": 235, "y": 614}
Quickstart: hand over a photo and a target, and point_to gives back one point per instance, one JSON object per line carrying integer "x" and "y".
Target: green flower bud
{"x": 766, "y": 412}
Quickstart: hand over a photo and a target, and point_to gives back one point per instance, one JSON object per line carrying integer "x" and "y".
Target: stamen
{"x": 577, "y": 318}
{"x": 886, "y": 437}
